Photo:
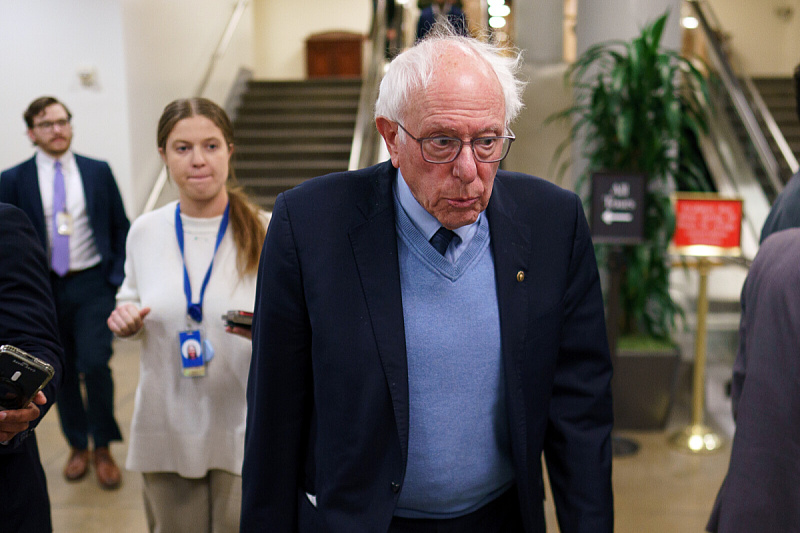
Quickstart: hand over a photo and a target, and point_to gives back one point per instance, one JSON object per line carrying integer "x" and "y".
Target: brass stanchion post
{"x": 697, "y": 437}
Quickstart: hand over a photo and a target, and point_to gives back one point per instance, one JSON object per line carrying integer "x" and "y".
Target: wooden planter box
{"x": 643, "y": 388}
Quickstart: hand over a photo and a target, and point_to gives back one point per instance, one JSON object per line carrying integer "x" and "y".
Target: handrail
{"x": 739, "y": 100}
{"x": 360, "y": 156}
{"x": 219, "y": 51}
{"x": 772, "y": 126}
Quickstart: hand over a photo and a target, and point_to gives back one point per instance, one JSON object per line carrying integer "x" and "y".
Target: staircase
{"x": 289, "y": 131}
{"x": 778, "y": 94}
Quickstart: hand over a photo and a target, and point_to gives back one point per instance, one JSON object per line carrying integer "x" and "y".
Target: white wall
{"x": 623, "y": 19}
{"x": 282, "y": 26}
{"x": 764, "y": 43}
{"x": 145, "y": 53}
{"x": 44, "y": 43}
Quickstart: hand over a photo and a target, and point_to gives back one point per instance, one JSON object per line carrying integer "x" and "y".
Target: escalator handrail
{"x": 740, "y": 103}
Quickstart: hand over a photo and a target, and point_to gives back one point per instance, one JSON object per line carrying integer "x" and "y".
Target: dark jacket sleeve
{"x": 27, "y": 312}
{"x": 578, "y": 442}
{"x": 278, "y": 389}
{"x": 109, "y": 222}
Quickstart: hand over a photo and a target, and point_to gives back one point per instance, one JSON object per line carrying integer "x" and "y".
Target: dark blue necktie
{"x": 441, "y": 239}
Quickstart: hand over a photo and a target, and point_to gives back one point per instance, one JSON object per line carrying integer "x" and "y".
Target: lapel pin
{"x": 520, "y": 276}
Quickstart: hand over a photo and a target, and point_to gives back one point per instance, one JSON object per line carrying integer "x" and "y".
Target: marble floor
{"x": 657, "y": 490}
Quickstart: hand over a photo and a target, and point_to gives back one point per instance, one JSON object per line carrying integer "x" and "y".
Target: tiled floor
{"x": 658, "y": 490}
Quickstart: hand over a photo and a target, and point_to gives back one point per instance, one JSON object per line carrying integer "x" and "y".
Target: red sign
{"x": 707, "y": 225}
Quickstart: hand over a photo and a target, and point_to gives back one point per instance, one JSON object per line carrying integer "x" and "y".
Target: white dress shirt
{"x": 83, "y": 252}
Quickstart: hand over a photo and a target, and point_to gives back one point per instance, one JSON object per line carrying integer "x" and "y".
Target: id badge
{"x": 191, "y": 346}
{"x": 64, "y": 223}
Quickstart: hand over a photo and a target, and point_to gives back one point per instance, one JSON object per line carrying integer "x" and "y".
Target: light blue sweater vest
{"x": 459, "y": 450}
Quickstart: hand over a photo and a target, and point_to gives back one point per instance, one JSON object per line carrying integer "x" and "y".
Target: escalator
{"x": 745, "y": 150}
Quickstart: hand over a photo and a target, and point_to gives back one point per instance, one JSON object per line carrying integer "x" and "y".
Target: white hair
{"x": 414, "y": 69}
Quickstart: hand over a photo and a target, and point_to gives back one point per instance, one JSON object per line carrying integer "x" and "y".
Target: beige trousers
{"x": 175, "y": 504}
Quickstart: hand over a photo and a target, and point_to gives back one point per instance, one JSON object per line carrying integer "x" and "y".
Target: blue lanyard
{"x": 195, "y": 310}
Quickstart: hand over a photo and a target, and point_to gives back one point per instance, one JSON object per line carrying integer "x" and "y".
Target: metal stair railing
{"x": 740, "y": 102}
{"x": 364, "y": 150}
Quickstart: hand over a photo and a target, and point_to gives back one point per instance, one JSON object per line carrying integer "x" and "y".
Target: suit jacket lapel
{"x": 511, "y": 248}
{"x": 374, "y": 245}
{"x": 30, "y": 188}
{"x": 87, "y": 178}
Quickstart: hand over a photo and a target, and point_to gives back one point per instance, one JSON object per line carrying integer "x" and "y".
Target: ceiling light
{"x": 497, "y": 22}
{"x": 499, "y": 11}
{"x": 689, "y": 23}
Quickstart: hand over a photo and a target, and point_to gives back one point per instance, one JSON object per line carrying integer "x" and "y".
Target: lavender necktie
{"x": 60, "y": 251}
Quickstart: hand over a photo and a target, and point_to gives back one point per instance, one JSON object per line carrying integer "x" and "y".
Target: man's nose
{"x": 465, "y": 166}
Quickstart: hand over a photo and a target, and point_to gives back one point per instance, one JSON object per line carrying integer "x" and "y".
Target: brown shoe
{"x": 77, "y": 464}
{"x": 108, "y": 474}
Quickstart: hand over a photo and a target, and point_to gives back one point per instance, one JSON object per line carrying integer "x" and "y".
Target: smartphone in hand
{"x": 238, "y": 319}
{"x": 21, "y": 377}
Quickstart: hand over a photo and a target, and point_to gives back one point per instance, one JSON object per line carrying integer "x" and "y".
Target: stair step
{"x": 298, "y": 134}
{"x": 288, "y": 165}
{"x": 294, "y": 150}
{"x": 290, "y": 131}
{"x": 294, "y": 122}
{"x": 282, "y": 105}
{"x": 248, "y": 149}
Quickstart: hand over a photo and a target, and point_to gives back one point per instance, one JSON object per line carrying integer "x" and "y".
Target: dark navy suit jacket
{"x": 328, "y": 406}
{"x": 27, "y": 321}
{"x": 19, "y": 186}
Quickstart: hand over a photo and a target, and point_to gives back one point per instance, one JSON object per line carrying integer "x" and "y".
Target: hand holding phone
{"x": 239, "y": 323}
{"x": 21, "y": 377}
{"x": 238, "y": 319}
{"x": 14, "y": 421}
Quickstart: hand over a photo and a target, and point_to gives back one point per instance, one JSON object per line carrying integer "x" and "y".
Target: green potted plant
{"x": 636, "y": 107}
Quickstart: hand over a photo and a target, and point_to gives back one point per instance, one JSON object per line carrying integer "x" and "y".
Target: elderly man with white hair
{"x": 427, "y": 328}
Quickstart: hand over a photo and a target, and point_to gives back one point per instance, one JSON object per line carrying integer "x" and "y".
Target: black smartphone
{"x": 21, "y": 377}
{"x": 238, "y": 319}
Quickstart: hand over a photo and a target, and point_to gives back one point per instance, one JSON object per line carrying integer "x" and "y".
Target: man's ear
{"x": 389, "y": 131}
{"x": 31, "y": 136}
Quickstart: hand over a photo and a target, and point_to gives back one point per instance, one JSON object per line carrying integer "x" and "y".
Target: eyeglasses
{"x": 47, "y": 125}
{"x": 441, "y": 149}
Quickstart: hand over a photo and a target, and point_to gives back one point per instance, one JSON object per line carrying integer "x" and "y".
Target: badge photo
{"x": 191, "y": 347}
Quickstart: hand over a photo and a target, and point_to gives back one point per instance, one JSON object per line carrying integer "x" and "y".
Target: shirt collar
{"x": 46, "y": 160}
{"x": 424, "y": 221}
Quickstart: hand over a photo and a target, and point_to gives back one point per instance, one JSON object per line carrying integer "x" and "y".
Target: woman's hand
{"x": 127, "y": 319}
{"x": 242, "y": 332}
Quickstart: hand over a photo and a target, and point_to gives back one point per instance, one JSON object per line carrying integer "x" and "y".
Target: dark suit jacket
{"x": 328, "y": 389}
{"x": 19, "y": 186}
{"x": 27, "y": 321}
{"x": 785, "y": 212}
{"x": 762, "y": 488}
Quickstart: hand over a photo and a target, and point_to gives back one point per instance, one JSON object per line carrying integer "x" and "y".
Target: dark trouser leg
{"x": 89, "y": 300}
{"x": 23, "y": 490}
{"x": 71, "y": 410}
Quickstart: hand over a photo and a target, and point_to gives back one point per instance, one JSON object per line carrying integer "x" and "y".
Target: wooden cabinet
{"x": 334, "y": 54}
